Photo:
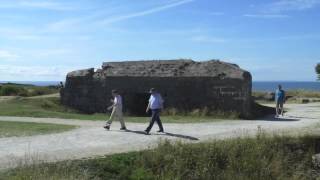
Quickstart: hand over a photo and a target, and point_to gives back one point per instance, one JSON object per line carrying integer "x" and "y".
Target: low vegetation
{"x": 243, "y": 158}
{"x": 9, "y": 129}
{"x": 304, "y": 93}
{"x": 202, "y": 112}
{"x": 50, "y": 107}
{"x": 293, "y": 96}
{"x": 10, "y": 89}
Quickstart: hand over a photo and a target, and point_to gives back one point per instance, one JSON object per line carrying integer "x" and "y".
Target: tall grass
{"x": 243, "y": 158}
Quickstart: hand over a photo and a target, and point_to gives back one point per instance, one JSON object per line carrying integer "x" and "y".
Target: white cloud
{"x": 276, "y": 9}
{"x": 34, "y": 73}
{"x": 217, "y": 13}
{"x": 97, "y": 19}
{"x": 207, "y": 39}
{"x": 4, "y": 54}
{"x": 52, "y": 52}
{"x": 292, "y": 5}
{"x": 144, "y": 13}
{"x": 296, "y": 37}
{"x": 20, "y": 33}
{"x": 267, "y": 16}
{"x": 36, "y": 4}
{"x": 262, "y": 70}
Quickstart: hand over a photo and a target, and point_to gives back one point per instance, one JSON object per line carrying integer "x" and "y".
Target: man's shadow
{"x": 167, "y": 134}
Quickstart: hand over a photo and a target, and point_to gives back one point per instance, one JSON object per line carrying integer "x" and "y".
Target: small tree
{"x": 318, "y": 70}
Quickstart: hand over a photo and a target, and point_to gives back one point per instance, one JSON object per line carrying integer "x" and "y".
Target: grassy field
{"x": 10, "y": 129}
{"x": 243, "y": 158}
{"x": 51, "y": 107}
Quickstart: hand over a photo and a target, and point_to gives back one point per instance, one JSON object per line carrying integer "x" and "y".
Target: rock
{"x": 184, "y": 84}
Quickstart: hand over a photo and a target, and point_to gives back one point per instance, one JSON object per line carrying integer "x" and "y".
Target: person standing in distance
{"x": 116, "y": 111}
{"x": 280, "y": 97}
{"x": 155, "y": 105}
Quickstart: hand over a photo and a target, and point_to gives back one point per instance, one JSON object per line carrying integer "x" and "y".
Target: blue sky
{"x": 45, "y": 39}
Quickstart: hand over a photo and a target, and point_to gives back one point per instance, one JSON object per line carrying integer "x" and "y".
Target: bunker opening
{"x": 140, "y": 101}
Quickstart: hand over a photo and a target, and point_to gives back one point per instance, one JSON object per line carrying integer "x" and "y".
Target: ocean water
{"x": 256, "y": 86}
{"x": 287, "y": 85}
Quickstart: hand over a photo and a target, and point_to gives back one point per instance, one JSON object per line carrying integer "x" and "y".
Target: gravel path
{"x": 91, "y": 140}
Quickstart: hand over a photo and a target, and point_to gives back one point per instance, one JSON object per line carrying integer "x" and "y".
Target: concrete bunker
{"x": 184, "y": 84}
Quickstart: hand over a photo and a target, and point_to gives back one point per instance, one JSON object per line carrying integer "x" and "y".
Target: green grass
{"x": 52, "y": 108}
{"x": 10, "y": 129}
{"x": 243, "y": 158}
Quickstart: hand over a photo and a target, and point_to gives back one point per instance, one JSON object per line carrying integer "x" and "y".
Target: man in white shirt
{"x": 155, "y": 105}
{"x": 116, "y": 111}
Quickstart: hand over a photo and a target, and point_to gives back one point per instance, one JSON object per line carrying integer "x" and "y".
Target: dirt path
{"x": 92, "y": 140}
{"x": 44, "y": 96}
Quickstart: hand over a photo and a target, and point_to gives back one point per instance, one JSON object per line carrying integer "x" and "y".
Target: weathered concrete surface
{"x": 184, "y": 84}
{"x": 92, "y": 140}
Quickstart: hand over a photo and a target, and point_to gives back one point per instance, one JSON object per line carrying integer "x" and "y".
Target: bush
{"x": 8, "y": 90}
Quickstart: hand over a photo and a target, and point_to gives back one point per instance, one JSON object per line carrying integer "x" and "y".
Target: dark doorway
{"x": 139, "y": 104}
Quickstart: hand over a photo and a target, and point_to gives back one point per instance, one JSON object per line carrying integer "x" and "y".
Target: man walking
{"x": 155, "y": 105}
{"x": 116, "y": 111}
{"x": 280, "y": 97}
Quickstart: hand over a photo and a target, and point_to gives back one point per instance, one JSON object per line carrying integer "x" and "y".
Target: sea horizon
{"x": 256, "y": 85}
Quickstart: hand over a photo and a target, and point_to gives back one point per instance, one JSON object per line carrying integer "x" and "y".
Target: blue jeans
{"x": 155, "y": 118}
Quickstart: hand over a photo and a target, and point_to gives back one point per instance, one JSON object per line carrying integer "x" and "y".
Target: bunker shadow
{"x": 166, "y": 134}
{"x": 280, "y": 118}
{"x": 299, "y": 117}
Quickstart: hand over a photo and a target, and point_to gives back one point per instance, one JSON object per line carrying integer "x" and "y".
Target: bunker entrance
{"x": 140, "y": 101}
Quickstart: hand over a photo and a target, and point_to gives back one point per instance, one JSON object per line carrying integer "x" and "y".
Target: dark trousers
{"x": 155, "y": 118}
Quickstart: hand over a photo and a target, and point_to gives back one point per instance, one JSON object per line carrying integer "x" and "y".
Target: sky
{"x": 43, "y": 40}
